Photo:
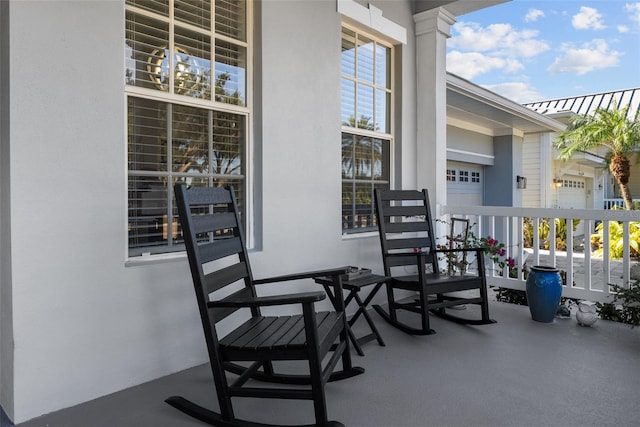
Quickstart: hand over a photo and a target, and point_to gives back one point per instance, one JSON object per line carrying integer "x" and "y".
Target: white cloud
{"x": 588, "y": 19}
{"x": 623, "y": 29}
{"x": 533, "y": 15}
{"x": 497, "y": 40}
{"x": 593, "y": 55}
{"x": 518, "y": 92}
{"x": 470, "y": 64}
{"x": 479, "y": 49}
{"x": 633, "y": 9}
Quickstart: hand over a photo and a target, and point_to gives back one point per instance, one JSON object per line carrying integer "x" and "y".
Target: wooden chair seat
{"x": 436, "y": 283}
{"x": 271, "y": 334}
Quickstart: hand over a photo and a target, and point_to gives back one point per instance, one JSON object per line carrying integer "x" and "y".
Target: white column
{"x": 432, "y": 30}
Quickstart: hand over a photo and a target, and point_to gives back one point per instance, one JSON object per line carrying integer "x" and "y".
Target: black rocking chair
{"x": 213, "y": 233}
{"x": 407, "y": 240}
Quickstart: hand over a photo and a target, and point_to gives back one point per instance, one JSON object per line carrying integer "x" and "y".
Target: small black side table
{"x": 354, "y": 286}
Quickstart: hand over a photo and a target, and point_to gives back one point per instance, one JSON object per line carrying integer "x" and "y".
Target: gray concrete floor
{"x": 517, "y": 372}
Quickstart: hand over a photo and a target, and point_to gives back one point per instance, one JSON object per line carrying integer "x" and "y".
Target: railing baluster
{"x": 552, "y": 241}
{"x": 569, "y": 242}
{"x": 588, "y": 226}
{"x": 536, "y": 240}
{"x": 606, "y": 274}
{"x": 626, "y": 254}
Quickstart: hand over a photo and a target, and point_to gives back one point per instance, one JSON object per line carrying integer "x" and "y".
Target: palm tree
{"x": 608, "y": 128}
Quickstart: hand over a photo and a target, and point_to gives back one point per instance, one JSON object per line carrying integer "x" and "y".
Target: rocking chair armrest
{"x": 299, "y": 298}
{"x": 305, "y": 275}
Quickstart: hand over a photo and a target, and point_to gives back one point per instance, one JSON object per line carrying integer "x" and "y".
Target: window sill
{"x": 366, "y": 234}
{"x": 155, "y": 259}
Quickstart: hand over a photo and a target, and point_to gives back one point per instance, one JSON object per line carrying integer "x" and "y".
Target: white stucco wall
{"x": 86, "y": 325}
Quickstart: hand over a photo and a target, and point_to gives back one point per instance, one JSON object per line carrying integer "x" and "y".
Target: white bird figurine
{"x": 586, "y": 314}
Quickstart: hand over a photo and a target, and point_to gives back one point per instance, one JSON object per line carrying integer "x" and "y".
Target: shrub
{"x": 628, "y": 311}
{"x": 616, "y": 240}
{"x": 543, "y": 232}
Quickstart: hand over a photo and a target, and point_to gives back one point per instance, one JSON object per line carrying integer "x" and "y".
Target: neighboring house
{"x": 487, "y": 136}
{"x": 584, "y": 181}
{"x": 105, "y": 104}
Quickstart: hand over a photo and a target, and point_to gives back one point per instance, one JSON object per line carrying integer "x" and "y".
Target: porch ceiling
{"x": 483, "y": 109}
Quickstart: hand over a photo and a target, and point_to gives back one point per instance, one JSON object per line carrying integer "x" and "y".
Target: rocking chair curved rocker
{"x": 213, "y": 233}
{"x": 408, "y": 242}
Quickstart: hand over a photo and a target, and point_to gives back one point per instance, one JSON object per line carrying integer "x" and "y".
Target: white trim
{"x": 372, "y": 18}
{"x": 470, "y": 157}
{"x": 473, "y": 91}
{"x": 433, "y": 20}
{"x": 470, "y": 153}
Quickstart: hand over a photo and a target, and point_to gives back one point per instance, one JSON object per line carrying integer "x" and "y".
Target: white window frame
{"x": 369, "y": 20}
{"x": 386, "y": 136}
{"x": 208, "y": 105}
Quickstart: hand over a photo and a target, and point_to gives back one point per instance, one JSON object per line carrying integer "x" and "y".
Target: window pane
{"x": 383, "y": 66}
{"x": 228, "y": 144}
{"x": 365, "y": 107}
{"x": 379, "y": 161}
{"x": 147, "y": 135}
{"x": 348, "y": 206}
{"x": 192, "y": 59}
{"x": 146, "y": 62}
{"x": 348, "y": 103}
{"x": 230, "y": 85}
{"x": 363, "y": 216}
{"x": 347, "y": 156}
{"x": 365, "y": 59}
{"x": 156, "y": 6}
{"x": 383, "y": 101}
{"x": 231, "y": 18}
{"x": 148, "y": 220}
{"x": 363, "y": 157}
{"x": 348, "y": 53}
{"x": 190, "y": 142}
{"x": 194, "y": 12}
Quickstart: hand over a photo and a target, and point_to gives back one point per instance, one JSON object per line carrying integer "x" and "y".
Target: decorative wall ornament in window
{"x": 190, "y": 76}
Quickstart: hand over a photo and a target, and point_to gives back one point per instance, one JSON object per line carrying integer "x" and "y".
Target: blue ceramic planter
{"x": 544, "y": 289}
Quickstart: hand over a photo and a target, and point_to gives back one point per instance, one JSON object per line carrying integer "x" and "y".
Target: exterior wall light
{"x": 521, "y": 182}
{"x": 557, "y": 182}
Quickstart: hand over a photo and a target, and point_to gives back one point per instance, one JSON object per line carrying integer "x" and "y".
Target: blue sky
{"x": 546, "y": 49}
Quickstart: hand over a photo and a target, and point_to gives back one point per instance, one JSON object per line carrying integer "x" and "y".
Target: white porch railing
{"x": 588, "y": 277}
{"x": 609, "y": 203}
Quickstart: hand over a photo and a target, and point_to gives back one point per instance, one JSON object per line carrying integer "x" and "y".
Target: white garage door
{"x": 573, "y": 193}
{"x": 464, "y": 184}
